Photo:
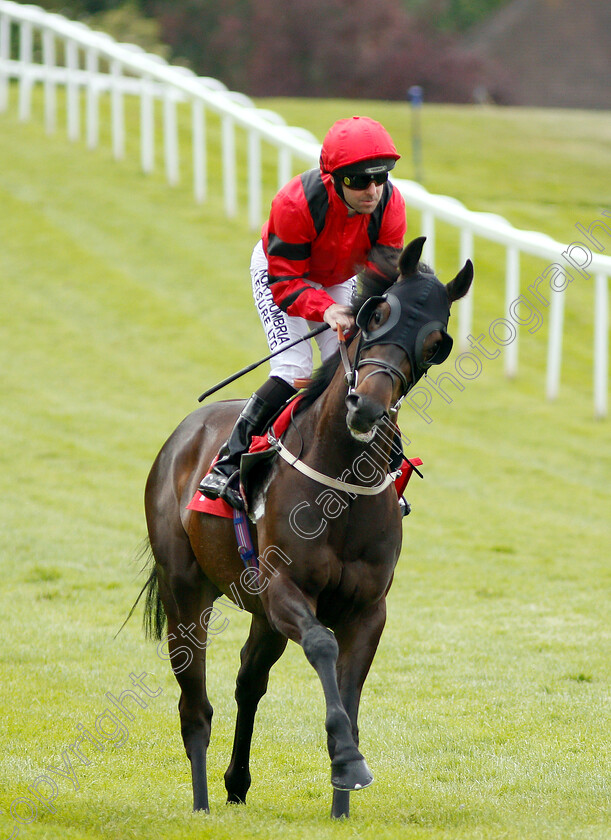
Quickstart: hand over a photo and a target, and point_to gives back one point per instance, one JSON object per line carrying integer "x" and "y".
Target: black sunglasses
{"x": 361, "y": 180}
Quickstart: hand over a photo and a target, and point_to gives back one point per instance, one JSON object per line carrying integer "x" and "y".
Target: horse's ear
{"x": 409, "y": 259}
{"x": 460, "y": 285}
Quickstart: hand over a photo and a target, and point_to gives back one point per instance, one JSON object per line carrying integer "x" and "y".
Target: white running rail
{"x": 38, "y": 47}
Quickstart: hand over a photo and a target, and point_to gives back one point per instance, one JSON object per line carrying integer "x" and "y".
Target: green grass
{"x": 486, "y": 714}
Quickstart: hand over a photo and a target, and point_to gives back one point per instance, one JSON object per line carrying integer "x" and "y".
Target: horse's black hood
{"x": 418, "y": 307}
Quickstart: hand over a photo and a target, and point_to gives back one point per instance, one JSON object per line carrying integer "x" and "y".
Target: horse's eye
{"x": 378, "y": 317}
{"x": 374, "y": 321}
{"x": 430, "y": 351}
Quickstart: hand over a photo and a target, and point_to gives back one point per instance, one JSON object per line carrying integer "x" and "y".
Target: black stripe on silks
{"x": 277, "y": 247}
{"x": 290, "y": 299}
{"x": 285, "y": 279}
{"x": 316, "y": 196}
{"x": 375, "y": 223}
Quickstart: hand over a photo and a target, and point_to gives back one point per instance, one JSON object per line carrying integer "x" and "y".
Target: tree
{"x": 318, "y": 48}
{"x": 348, "y": 48}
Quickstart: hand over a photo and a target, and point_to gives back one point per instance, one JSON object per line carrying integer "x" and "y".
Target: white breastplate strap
{"x": 358, "y": 489}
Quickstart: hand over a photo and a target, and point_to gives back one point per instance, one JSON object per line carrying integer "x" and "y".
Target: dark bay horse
{"x": 327, "y": 556}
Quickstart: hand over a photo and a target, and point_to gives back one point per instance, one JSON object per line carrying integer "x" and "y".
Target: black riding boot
{"x": 222, "y": 481}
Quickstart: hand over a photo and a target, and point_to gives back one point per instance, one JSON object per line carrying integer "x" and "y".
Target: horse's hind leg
{"x": 262, "y": 649}
{"x": 187, "y": 602}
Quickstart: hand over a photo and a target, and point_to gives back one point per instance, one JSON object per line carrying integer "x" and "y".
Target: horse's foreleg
{"x": 292, "y": 614}
{"x": 262, "y": 649}
{"x": 358, "y": 641}
{"x": 349, "y": 770}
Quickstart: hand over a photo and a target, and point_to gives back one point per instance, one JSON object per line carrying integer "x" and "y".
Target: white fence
{"x": 44, "y": 48}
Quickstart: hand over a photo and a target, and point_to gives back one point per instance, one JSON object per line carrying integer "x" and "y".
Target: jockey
{"x": 325, "y": 226}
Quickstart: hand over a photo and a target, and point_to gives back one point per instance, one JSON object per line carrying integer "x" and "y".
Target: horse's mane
{"x": 320, "y": 382}
{"x": 423, "y": 268}
{"x": 370, "y": 284}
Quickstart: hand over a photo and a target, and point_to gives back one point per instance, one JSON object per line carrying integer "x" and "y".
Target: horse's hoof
{"x": 351, "y": 775}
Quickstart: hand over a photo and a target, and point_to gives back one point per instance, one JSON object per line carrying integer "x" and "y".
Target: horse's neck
{"x": 331, "y": 442}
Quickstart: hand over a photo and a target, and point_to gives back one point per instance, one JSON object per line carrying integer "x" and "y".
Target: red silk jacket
{"x": 310, "y": 236}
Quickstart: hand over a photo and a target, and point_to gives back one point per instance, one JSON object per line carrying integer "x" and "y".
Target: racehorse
{"x": 322, "y": 580}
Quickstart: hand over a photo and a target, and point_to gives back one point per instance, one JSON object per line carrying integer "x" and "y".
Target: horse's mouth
{"x": 362, "y": 437}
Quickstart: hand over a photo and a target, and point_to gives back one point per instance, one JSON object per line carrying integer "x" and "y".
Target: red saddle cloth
{"x": 260, "y": 443}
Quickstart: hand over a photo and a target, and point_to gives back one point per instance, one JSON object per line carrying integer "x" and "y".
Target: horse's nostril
{"x": 352, "y": 402}
{"x": 363, "y": 413}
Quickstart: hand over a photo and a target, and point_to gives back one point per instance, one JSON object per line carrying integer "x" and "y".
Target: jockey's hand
{"x": 339, "y": 314}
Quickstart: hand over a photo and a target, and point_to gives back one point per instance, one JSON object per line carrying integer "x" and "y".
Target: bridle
{"x": 352, "y": 370}
{"x": 426, "y": 306}
{"x": 417, "y": 327}
{"x": 423, "y": 308}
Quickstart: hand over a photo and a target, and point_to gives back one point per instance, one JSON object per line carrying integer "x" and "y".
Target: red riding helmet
{"x": 351, "y": 141}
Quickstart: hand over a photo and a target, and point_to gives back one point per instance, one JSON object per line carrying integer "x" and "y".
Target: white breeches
{"x": 296, "y": 362}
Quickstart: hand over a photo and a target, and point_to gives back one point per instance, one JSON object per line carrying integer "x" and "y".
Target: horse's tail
{"x": 154, "y": 619}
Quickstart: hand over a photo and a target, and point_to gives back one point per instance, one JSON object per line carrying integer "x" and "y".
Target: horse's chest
{"x": 354, "y": 594}
{"x": 356, "y": 584}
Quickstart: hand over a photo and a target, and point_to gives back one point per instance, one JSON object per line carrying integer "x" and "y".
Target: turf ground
{"x": 486, "y": 714}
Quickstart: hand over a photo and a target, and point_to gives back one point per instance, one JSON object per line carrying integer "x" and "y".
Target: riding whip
{"x": 311, "y": 334}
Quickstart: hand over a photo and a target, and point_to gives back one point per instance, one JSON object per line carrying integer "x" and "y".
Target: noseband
{"x": 352, "y": 376}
